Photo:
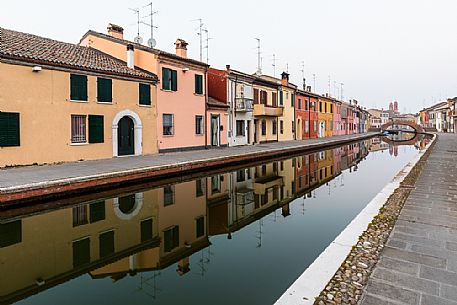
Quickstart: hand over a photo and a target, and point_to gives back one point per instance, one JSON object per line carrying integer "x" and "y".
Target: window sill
{"x": 199, "y": 134}
{"x": 77, "y": 101}
{"x": 105, "y": 103}
{"x": 79, "y": 144}
{"x": 145, "y": 106}
{"x": 168, "y": 90}
{"x": 199, "y": 94}
{"x": 168, "y": 136}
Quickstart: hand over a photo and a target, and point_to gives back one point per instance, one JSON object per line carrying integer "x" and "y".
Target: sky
{"x": 382, "y": 51}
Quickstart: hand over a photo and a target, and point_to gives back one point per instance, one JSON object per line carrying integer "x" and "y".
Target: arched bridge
{"x": 413, "y": 125}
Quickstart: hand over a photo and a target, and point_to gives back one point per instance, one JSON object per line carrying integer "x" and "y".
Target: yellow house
{"x": 266, "y": 110}
{"x": 325, "y": 168}
{"x": 325, "y": 117}
{"x": 63, "y": 102}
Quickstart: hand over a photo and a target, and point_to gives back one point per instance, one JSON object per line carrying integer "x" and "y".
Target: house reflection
{"x": 153, "y": 229}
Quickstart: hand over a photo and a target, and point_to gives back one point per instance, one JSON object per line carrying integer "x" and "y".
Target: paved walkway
{"x": 20, "y": 176}
{"x": 419, "y": 264}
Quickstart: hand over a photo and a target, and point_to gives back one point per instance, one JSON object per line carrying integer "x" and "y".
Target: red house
{"x": 306, "y": 114}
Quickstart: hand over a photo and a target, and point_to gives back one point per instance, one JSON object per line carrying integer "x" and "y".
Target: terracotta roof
{"x": 212, "y": 102}
{"x": 144, "y": 48}
{"x": 39, "y": 50}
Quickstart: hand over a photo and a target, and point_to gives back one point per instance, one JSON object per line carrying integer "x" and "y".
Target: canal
{"x": 238, "y": 237}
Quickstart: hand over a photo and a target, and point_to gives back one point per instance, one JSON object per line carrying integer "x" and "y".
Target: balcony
{"x": 264, "y": 110}
{"x": 263, "y": 184}
{"x": 243, "y": 104}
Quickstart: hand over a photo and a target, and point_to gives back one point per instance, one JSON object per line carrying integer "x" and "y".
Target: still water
{"x": 238, "y": 237}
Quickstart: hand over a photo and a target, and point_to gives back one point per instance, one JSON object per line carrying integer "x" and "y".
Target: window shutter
{"x": 145, "y": 94}
{"x": 96, "y": 129}
{"x": 9, "y": 129}
{"x": 78, "y": 87}
{"x": 166, "y": 77}
{"x": 292, "y": 100}
{"x": 256, "y": 96}
{"x": 174, "y": 80}
{"x": 281, "y": 98}
{"x": 198, "y": 84}
{"x": 104, "y": 90}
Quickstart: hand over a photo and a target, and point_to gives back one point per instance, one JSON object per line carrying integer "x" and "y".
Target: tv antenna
{"x": 303, "y": 74}
{"x": 207, "y": 44}
{"x": 341, "y": 91}
{"x": 329, "y": 84}
{"x": 200, "y": 30}
{"x": 151, "y": 41}
{"x": 274, "y": 65}
{"x": 138, "y": 38}
{"x": 314, "y": 82}
{"x": 259, "y": 60}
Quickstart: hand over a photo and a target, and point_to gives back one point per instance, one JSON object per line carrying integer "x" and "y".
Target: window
{"x": 168, "y": 195}
{"x": 106, "y": 243}
{"x": 145, "y": 94}
{"x": 10, "y": 233}
{"x": 240, "y": 175}
{"x": 78, "y": 87}
{"x": 80, "y": 215}
{"x": 146, "y": 230}
{"x": 169, "y": 79}
{"x": 240, "y": 129}
{"x": 331, "y": 125}
{"x": 263, "y": 97}
{"x": 306, "y": 105}
{"x": 171, "y": 238}
{"x": 167, "y": 124}
{"x": 281, "y": 126}
{"x": 325, "y": 107}
{"x": 104, "y": 90}
{"x": 199, "y": 187}
{"x": 274, "y": 99}
{"x": 293, "y": 127}
{"x": 96, "y": 129}
{"x": 299, "y": 103}
{"x": 200, "y": 226}
{"x": 81, "y": 252}
{"x": 9, "y": 129}
{"x": 275, "y": 127}
{"x": 315, "y": 126}
{"x": 256, "y": 96}
{"x": 97, "y": 211}
{"x": 198, "y": 124}
{"x": 331, "y": 108}
{"x": 264, "y": 127}
{"x": 306, "y": 126}
{"x": 198, "y": 84}
{"x": 320, "y": 106}
{"x": 292, "y": 100}
{"x": 215, "y": 184}
{"x": 281, "y": 98}
{"x": 78, "y": 128}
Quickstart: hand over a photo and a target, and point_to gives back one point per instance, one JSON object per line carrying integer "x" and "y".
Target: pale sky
{"x": 384, "y": 50}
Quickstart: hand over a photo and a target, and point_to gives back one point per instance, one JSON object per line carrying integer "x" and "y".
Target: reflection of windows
{"x": 199, "y": 187}
{"x": 275, "y": 127}
{"x": 171, "y": 238}
{"x": 264, "y": 127}
{"x": 264, "y": 170}
{"x": 200, "y": 226}
{"x": 81, "y": 252}
{"x": 106, "y": 242}
{"x": 240, "y": 129}
{"x": 127, "y": 203}
{"x": 240, "y": 175}
{"x": 168, "y": 195}
{"x": 275, "y": 166}
{"x": 146, "y": 230}
{"x": 10, "y": 233}
{"x": 80, "y": 215}
{"x": 97, "y": 211}
{"x": 215, "y": 184}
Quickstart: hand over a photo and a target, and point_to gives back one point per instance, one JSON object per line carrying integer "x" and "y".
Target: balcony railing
{"x": 243, "y": 104}
{"x": 263, "y": 110}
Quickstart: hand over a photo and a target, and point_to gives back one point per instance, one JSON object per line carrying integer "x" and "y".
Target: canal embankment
{"x": 25, "y": 184}
{"x": 337, "y": 277}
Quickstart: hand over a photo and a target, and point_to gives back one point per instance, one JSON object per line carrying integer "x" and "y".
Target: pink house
{"x": 337, "y": 124}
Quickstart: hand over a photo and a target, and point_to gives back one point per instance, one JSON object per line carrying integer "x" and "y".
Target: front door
{"x": 215, "y": 134}
{"x": 248, "y": 130}
{"x": 125, "y": 137}
{"x": 255, "y": 131}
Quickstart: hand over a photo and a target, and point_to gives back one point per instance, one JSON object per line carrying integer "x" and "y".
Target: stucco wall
{"x": 43, "y": 101}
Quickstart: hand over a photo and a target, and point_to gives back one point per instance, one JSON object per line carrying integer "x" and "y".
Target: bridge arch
{"x": 413, "y": 125}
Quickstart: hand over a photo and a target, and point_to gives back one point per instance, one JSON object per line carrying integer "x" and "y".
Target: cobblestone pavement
{"x": 15, "y": 177}
{"x": 419, "y": 263}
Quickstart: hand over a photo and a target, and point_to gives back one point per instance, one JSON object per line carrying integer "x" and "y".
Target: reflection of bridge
{"x": 412, "y": 141}
{"x": 413, "y": 125}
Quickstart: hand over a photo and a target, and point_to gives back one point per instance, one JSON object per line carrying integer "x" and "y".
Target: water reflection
{"x": 137, "y": 234}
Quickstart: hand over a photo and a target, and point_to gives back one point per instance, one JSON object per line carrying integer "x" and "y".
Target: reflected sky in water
{"x": 233, "y": 238}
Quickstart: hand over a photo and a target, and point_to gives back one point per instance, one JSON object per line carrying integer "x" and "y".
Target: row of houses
{"x": 108, "y": 97}
{"x": 441, "y": 117}
{"x": 147, "y": 230}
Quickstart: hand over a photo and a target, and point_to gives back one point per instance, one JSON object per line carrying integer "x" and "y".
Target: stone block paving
{"x": 419, "y": 264}
{"x": 18, "y": 176}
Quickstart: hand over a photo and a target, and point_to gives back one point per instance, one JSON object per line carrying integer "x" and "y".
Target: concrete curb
{"x": 316, "y": 277}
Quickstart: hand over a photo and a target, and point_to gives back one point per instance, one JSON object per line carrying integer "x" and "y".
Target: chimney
{"x": 181, "y": 48}
{"x": 285, "y": 78}
{"x": 308, "y": 88}
{"x": 304, "y": 84}
{"x": 130, "y": 56}
{"x": 227, "y": 67}
{"x": 115, "y": 31}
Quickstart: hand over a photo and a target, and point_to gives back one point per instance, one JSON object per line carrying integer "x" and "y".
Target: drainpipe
{"x": 309, "y": 119}
{"x": 206, "y": 108}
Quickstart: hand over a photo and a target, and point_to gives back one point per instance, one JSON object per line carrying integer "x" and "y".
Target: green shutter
{"x": 104, "y": 90}
{"x": 9, "y": 129}
{"x": 81, "y": 252}
{"x": 146, "y": 230}
{"x": 281, "y": 98}
{"x": 145, "y": 94}
{"x": 106, "y": 243}
{"x": 96, "y": 129}
{"x": 198, "y": 84}
{"x": 78, "y": 87}
{"x": 292, "y": 102}
{"x": 174, "y": 80}
{"x": 97, "y": 211}
{"x": 166, "y": 77}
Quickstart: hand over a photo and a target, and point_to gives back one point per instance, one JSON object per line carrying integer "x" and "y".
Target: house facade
{"x": 337, "y": 125}
{"x": 182, "y": 122}
{"x": 325, "y": 117}
{"x": 78, "y": 104}
{"x": 306, "y": 114}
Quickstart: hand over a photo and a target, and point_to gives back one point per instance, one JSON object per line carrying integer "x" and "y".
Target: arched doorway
{"x": 127, "y": 134}
{"x": 125, "y": 137}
